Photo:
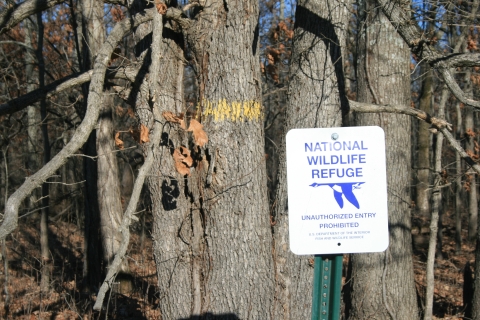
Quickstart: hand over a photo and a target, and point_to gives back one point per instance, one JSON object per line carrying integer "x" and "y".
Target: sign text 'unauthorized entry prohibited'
{"x": 337, "y": 190}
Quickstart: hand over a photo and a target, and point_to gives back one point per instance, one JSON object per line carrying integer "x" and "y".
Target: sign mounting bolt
{"x": 334, "y": 136}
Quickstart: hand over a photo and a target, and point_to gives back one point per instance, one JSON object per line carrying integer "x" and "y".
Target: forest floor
{"x": 66, "y": 301}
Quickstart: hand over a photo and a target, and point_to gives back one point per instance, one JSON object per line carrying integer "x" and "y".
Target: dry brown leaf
{"x": 181, "y": 167}
{"x": 170, "y": 117}
{"x": 199, "y": 135}
{"x": 118, "y": 141}
{"x": 135, "y": 134}
{"x": 130, "y": 113}
{"x": 144, "y": 134}
{"x": 161, "y": 7}
{"x": 117, "y": 14}
{"x": 470, "y": 133}
{"x": 270, "y": 59}
{"x": 187, "y": 159}
{"x": 119, "y": 111}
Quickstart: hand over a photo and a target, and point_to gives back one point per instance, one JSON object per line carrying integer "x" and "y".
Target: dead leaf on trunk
{"x": 144, "y": 134}
{"x": 188, "y": 160}
{"x": 140, "y": 135}
{"x": 119, "y": 111}
{"x": 199, "y": 135}
{"x": 180, "y": 162}
{"x": 161, "y": 7}
{"x": 118, "y": 141}
{"x": 130, "y": 113}
{"x": 170, "y": 117}
{"x": 135, "y": 134}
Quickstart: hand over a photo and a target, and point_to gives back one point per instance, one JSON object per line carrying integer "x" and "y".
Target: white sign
{"x": 337, "y": 190}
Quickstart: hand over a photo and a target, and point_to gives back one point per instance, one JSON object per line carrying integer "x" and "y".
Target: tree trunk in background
{"x": 470, "y": 134}
{"x": 422, "y": 203}
{"x": 471, "y": 176}
{"x": 108, "y": 188}
{"x": 212, "y": 230}
{"x": 33, "y": 114}
{"x": 436, "y": 209}
{"x": 91, "y": 33}
{"x": 44, "y": 248}
{"x": 316, "y": 99}
{"x": 458, "y": 184}
{"x": 382, "y": 284}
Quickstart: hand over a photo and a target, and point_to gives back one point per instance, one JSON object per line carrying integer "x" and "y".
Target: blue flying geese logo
{"x": 342, "y": 189}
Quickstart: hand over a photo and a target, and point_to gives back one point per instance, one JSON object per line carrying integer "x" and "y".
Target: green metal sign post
{"x": 327, "y": 285}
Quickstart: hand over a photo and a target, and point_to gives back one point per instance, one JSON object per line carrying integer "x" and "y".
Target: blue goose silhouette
{"x": 340, "y": 189}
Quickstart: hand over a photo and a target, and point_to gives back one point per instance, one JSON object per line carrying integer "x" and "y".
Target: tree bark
{"x": 108, "y": 188}
{"x": 32, "y": 162}
{"x": 44, "y": 247}
{"x": 458, "y": 184}
{"x": 212, "y": 230}
{"x": 88, "y": 29}
{"x": 382, "y": 284}
{"x": 422, "y": 203}
{"x": 316, "y": 99}
{"x": 471, "y": 175}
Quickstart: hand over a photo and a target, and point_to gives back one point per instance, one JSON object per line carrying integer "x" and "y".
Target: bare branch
{"x": 419, "y": 114}
{"x": 83, "y": 131}
{"x": 19, "y": 12}
{"x": 440, "y": 124}
{"x": 424, "y": 49}
{"x": 456, "y": 60}
{"x": 17, "y": 104}
{"x": 18, "y": 43}
{"x": 456, "y": 145}
{"x": 178, "y": 16}
{"x": 456, "y": 90}
{"x": 24, "y": 101}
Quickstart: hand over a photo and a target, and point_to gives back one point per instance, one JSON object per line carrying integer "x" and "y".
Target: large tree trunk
{"x": 382, "y": 284}
{"x": 316, "y": 99}
{"x": 172, "y": 228}
{"x": 236, "y": 221}
{"x": 212, "y": 230}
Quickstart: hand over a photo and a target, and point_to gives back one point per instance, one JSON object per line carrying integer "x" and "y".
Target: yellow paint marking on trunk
{"x": 234, "y": 111}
